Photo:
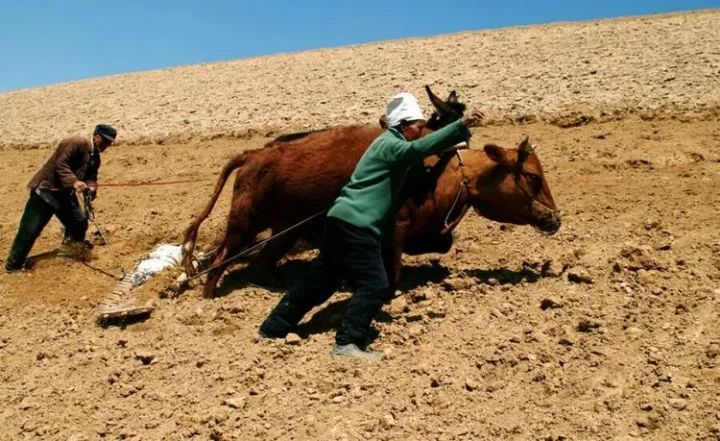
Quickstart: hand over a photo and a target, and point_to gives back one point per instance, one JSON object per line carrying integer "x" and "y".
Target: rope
{"x": 463, "y": 185}
{"x": 257, "y": 245}
{"x": 101, "y": 271}
{"x": 452, "y": 208}
{"x": 230, "y": 259}
{"x": 90, "y": 214}
{"x": 141, "y": 184}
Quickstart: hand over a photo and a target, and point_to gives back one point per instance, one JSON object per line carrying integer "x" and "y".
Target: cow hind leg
{"x": 228, "y": 250}
{"x": 217, "y": 267}
{"x": 238, "y": 234}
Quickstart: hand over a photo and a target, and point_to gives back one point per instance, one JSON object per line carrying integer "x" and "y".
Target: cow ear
{"x": 452, "y": 98}
{"x": 439, "y": 104}
{"x": 496, "y": 153}
{"x": 383, "y": 122}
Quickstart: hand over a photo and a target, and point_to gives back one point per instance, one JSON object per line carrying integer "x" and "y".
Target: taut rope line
{"x": 257, "y": 245}
{"x": 143, "y": 183}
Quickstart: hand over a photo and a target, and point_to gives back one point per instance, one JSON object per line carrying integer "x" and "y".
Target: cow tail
{"x": 190, "y": 234}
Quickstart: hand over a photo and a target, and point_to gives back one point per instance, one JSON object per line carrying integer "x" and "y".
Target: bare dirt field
{"x": 606, "y": 330}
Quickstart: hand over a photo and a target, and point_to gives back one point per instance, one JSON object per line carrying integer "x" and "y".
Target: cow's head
{"x": 514, "y": 189}
{"x": 445, "y": 111}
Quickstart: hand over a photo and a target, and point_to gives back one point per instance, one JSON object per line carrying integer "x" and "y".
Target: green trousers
{"x": 38, "y": 212}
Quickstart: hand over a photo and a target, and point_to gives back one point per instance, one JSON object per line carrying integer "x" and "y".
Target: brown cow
{"x": 335, "y": 150}
{"x": 291, "y": 179}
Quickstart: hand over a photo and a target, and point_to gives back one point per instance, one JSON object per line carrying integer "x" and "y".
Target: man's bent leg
{"x": 316, "y": 287}
{"x": 362, "y": 309}
{"x": 72, "y": 217}
{"x": 363, "y": 268}
{"x": 35, "y": 217}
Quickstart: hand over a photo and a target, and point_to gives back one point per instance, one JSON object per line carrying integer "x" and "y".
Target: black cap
{"x": 106, "y": 131}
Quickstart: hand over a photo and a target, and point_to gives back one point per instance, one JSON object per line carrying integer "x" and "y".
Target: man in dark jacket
{"x": 358, "y": 223}
{"x": 73, "y": 167}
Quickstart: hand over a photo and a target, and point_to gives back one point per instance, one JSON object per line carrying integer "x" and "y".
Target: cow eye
{"x": 534, "y": 183}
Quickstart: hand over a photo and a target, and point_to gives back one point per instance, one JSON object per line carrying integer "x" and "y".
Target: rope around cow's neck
{"x": 464, "y": 185}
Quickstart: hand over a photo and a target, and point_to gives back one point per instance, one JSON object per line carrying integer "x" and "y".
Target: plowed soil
{"x": 606, "y": 330}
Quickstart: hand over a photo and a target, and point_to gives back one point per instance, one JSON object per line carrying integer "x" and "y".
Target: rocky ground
{"x": 606, "y": 330}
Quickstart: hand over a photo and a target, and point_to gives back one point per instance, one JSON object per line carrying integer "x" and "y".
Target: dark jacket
{"x": 74, "y": 159}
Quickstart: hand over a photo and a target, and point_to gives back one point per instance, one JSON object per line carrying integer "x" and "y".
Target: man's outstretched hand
{"x": 475, "y": 118}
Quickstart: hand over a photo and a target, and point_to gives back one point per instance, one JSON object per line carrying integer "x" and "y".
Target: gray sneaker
{"x": 353, "y": 352}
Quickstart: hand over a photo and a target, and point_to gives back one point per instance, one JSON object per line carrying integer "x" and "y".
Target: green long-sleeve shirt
{"x": 369, "y": 200}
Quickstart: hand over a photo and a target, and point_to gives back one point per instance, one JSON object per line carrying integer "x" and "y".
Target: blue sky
{"x": 51, "y": 41}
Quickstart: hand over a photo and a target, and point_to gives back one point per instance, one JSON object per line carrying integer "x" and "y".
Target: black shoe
{"x": 261, "y": 337}
{"x": 274, "y": 327}
{"x": 14, "y": 270}
{"x": 266, "y": 334}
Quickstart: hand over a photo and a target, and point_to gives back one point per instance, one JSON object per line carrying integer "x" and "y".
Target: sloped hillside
{"x": 656, "y": 67}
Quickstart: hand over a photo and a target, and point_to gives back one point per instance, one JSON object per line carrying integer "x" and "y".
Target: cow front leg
{"x": 238, "y": 235}
{"x": 227, "y": 255}
{"x": 261, "y": 270}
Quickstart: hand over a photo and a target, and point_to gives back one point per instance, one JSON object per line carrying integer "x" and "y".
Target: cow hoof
{"x": 208, "y": 294}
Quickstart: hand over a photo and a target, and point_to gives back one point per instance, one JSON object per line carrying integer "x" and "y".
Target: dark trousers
{"x": 37, "y": 214}
{"x": 346, "y": 253}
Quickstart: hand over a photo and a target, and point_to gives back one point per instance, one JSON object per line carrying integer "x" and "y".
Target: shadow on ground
{"x": 411, "y": 277}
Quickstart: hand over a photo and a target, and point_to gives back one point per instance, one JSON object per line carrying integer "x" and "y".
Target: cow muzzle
{"x": 549, "y": 223}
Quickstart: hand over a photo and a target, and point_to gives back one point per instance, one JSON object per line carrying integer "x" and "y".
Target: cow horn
{"x": 439, "y": 104}
{"x": 525, "y": 147}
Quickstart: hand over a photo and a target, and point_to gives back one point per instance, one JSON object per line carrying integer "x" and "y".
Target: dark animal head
{"x": 445, "y": 111}
{"x": 515, "y": 190}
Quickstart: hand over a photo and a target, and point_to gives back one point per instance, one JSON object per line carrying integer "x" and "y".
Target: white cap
{"x": 403, "y": 106}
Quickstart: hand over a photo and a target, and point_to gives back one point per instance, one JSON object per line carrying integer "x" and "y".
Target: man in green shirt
{"x": 359, "y": 222}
